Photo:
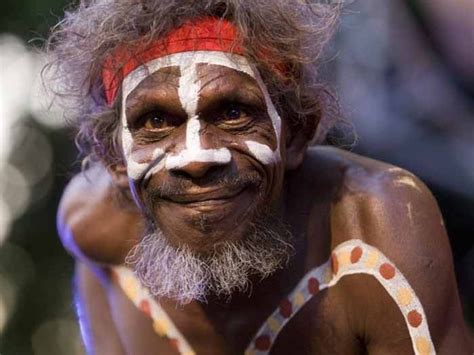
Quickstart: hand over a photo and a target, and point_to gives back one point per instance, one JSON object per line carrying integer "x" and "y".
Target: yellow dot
{"x": 423, "y": 346}
{"x": 130, "y": 287}
{"x": 250, "y": 352}
{"x": 274, "y": 325}
{"x": 372, "y": 259}
{"x": 327, "y": 277}
{"x": 404, "y": 296}
{"x": 344, "y": 259}
{"x": 161, "y": 326}
{"x": 299, "y": 299}
{"x": 189, "y": 352}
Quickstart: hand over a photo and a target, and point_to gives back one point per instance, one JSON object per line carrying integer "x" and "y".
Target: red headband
{"x": 207, "y": 34}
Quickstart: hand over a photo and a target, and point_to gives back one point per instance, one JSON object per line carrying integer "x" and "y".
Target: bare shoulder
{"x": 93, "y": 223}
{"x": 390, "y": 209}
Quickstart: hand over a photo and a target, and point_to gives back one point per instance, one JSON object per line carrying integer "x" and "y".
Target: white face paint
{"x": 189, "y": 88}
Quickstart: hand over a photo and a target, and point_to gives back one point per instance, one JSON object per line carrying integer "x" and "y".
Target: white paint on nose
{"x": 193, "y": 151}
{"x": 189, "y": 87}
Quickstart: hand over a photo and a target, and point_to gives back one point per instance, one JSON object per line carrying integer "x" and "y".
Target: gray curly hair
{"x": 294, "y": 31}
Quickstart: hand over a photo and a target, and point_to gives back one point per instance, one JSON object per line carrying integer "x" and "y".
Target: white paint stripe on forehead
{"x": 188, "y": 90}
{"x": 232, "y": 61}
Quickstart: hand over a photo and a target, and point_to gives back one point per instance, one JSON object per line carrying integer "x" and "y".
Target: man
{"x": 239, "y": 238}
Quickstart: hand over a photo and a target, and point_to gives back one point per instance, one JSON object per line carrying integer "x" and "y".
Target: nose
{"x": 198, "y": 169}
{"x": 195, "y": 160}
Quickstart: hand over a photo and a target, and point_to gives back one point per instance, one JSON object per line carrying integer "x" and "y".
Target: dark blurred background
{"x": 404, "y": 71}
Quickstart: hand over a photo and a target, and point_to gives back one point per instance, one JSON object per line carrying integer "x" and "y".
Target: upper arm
{"x": 98, "y": 330}
{"x": 393, "y": 211}
{"x": 91, "y": 224}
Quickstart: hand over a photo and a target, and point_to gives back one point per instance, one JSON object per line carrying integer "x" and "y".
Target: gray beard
{"x": 184, "y": 275}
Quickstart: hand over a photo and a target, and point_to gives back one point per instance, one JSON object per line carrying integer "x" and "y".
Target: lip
{"x": 211, "y": 197}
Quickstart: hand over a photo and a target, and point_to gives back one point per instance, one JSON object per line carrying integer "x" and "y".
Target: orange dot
{"x": 387, "y": 271}
{"x": 286, "y": 308}
{"x": 263, "y": 342}
{"x": 334, "y": 263}
{"x": 174, "y": 343}
{"x": 115, "y": 276}
{"x": 313, "y": 285}
{"x": 356, "y": 253}
{"x": 414, "y": 318}
{"x": 145, "y": 307}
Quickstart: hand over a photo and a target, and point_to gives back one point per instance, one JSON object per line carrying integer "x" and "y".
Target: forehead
{"x": 185, "y": 62}
{"x": 213, "y": 78}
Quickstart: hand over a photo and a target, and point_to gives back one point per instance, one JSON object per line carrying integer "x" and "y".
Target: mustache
{"x": 181, "y": 185}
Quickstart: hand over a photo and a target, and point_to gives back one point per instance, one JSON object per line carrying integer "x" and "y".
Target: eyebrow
{"x": 154, "y": 93}
{"x": 241, "y": 87}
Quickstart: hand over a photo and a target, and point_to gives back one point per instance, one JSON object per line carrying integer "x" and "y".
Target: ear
{"x": 118, "y": 173}
{"x": 297, "y": 141}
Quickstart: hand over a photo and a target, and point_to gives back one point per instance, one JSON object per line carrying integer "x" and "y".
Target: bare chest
{"x": 308, "y": 320}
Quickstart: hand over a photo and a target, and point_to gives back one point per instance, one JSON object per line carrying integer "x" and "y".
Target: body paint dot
{"x": 299, "y": 299}
{"x": 161, "y": 327}
{"x": 286, "y": 308}
{"x": 334, "y": 263}
{"x": 327, "y": 274}
{"x": 174, "y": 343}
{"x": 372, "y": 259}
{"x": 423, "y": 346}
{"x": 404, "y": 296}
{"x": 115, "y": 276}
{"x": 313, "y": 285}
{"x": 274, "y": 324}
{"x": 344, "y": 259}
{"x": 356, "y": 254}
{"x": 145, "y": 307}
{"x": 130, "y": 286}
{"x": 263, "y": 342}
{"x": 414, "y": 318}
{"x": 387, "y": 271}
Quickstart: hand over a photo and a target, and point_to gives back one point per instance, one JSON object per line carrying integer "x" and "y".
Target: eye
{"x": 157, "y": 121}
{"x": 233, "y": 113}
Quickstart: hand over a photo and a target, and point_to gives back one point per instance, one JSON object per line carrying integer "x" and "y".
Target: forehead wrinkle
{"x": 246, "y": 89}
{"x": 223, "y": 72}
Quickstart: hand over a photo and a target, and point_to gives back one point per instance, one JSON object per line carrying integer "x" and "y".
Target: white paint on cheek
{"x": 262, "y": 152}
{"x": 136, "y": 169}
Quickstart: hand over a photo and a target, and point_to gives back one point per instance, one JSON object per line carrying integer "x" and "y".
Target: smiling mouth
{"x": 209, "y": 198}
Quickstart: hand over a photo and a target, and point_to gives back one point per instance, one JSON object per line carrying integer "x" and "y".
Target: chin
{"x": 205, "y": 223}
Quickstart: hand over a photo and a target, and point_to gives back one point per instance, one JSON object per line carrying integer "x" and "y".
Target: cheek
{"x": 262, "y": 144}
{"x": 142, "y": 162}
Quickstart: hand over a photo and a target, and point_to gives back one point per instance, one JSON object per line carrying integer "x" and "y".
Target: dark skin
{"x": 326, "y": 196}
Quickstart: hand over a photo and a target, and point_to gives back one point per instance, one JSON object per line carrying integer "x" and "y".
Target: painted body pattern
{"x": 349, "y": 258}
{"x": 189, "y": 88}
{"x": 142, "y": 299}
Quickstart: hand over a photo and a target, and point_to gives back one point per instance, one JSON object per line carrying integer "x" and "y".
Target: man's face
{"x": 201, "y": 140}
